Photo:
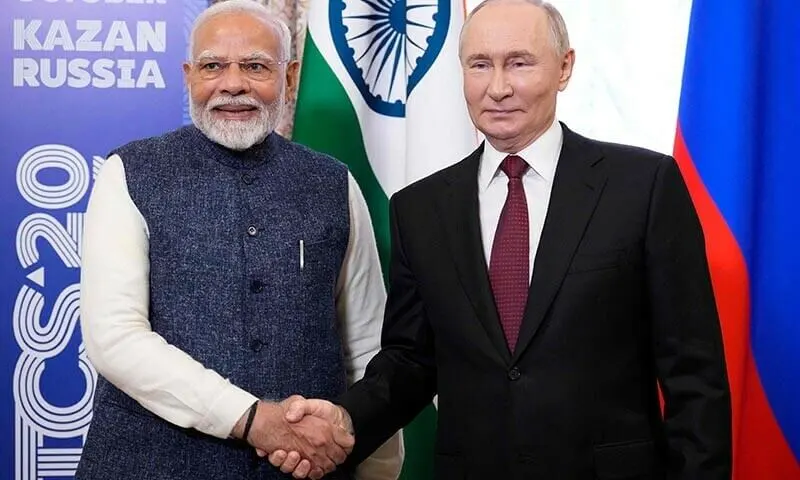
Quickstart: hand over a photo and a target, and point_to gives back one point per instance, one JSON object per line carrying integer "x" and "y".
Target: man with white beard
{"x": 225, "y": 269}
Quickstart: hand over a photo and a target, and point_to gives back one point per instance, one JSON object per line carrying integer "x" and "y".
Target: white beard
{"x": 237, "y": 134}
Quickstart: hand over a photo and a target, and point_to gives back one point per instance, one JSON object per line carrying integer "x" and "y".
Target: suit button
{"x": 252, "y": 230}
{"x": 514, "y": 374}
{"x": 256, "y": 345}
{"x": 257, "y": 286}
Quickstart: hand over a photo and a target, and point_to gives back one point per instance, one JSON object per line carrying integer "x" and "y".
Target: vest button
{"x": 257, "y": 286}
{"x": 256, "y": 345}
{"x": 252, "y": 230}
{"x": 247, "y": 178}
{"x": 514, "y": 374}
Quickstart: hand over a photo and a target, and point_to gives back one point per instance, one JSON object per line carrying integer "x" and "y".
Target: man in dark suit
{"x": 544, "y": 287}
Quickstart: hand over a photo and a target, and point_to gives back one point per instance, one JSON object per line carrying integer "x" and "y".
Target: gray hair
{"x": 248, "y": 7}
{"x": 558, "y": 27}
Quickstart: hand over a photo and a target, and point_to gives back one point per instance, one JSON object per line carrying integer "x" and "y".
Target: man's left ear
{"x": 292, "y": 80}
{"x": 567, "y": 63}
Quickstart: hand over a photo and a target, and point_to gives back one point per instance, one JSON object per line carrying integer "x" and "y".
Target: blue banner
{"x": 81, "y": 77}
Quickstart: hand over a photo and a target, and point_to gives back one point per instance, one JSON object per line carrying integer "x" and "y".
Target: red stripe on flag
{"x": 763, "y": 453}
{"x": 760, "y": 451}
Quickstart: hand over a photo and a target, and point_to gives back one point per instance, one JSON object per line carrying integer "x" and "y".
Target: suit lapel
{"x": 459, "y": 212}
{"x": 577, "y": 187}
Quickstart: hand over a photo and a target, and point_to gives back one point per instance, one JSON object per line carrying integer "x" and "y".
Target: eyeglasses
{"x": 258, "y": 70}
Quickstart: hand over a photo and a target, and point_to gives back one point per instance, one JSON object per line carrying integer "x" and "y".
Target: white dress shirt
{"x": 165, "y": 380}
{"x": 542, "y": 157}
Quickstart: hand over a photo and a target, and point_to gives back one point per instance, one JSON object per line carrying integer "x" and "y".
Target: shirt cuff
{"x": 226, "y": 410}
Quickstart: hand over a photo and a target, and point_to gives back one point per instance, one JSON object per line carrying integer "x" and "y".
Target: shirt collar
{"x": 541, "y": 156}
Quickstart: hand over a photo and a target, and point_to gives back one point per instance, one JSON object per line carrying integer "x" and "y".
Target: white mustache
{"x": 231, "y": 101}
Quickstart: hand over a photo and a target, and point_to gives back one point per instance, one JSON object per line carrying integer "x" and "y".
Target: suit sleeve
{"x": 401, "y": 379}
{"x": 686, "y": 336}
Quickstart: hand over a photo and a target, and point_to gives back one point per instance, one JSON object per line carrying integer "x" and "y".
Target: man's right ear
{"x": 187, "y": 69}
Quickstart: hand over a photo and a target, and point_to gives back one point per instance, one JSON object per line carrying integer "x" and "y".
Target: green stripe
{"x": 326, "y": 121}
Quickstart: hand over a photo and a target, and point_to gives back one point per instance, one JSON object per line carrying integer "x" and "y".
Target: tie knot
{"x": 514, "y": 166}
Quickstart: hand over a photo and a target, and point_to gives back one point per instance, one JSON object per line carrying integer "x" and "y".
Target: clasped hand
{"x": 307, "y": 438}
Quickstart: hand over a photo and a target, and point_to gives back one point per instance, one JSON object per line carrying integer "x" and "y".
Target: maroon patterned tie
{"x": 508, "y": 267}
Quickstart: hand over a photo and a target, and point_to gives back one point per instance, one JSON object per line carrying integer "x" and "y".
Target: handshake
{"x": 307, "y": 438}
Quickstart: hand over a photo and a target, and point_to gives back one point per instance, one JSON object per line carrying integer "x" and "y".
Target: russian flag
{"x": 738, "y": 146}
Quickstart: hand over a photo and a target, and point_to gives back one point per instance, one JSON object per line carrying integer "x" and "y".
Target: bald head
{"x": 559, "y": 36}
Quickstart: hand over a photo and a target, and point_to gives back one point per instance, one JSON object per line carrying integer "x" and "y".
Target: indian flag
{"x": 380, "y": 90}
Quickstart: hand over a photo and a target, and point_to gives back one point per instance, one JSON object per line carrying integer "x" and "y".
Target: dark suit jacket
{"x": 620, "y": 298}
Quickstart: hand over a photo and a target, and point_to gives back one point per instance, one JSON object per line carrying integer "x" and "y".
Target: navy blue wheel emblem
{"x": 387, "y": 46}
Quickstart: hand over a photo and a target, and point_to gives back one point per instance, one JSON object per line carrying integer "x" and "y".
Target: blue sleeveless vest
{"x": 227, "y": 287}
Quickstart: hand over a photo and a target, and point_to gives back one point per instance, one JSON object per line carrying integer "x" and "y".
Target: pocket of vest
{"x": 318, "y": 263}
